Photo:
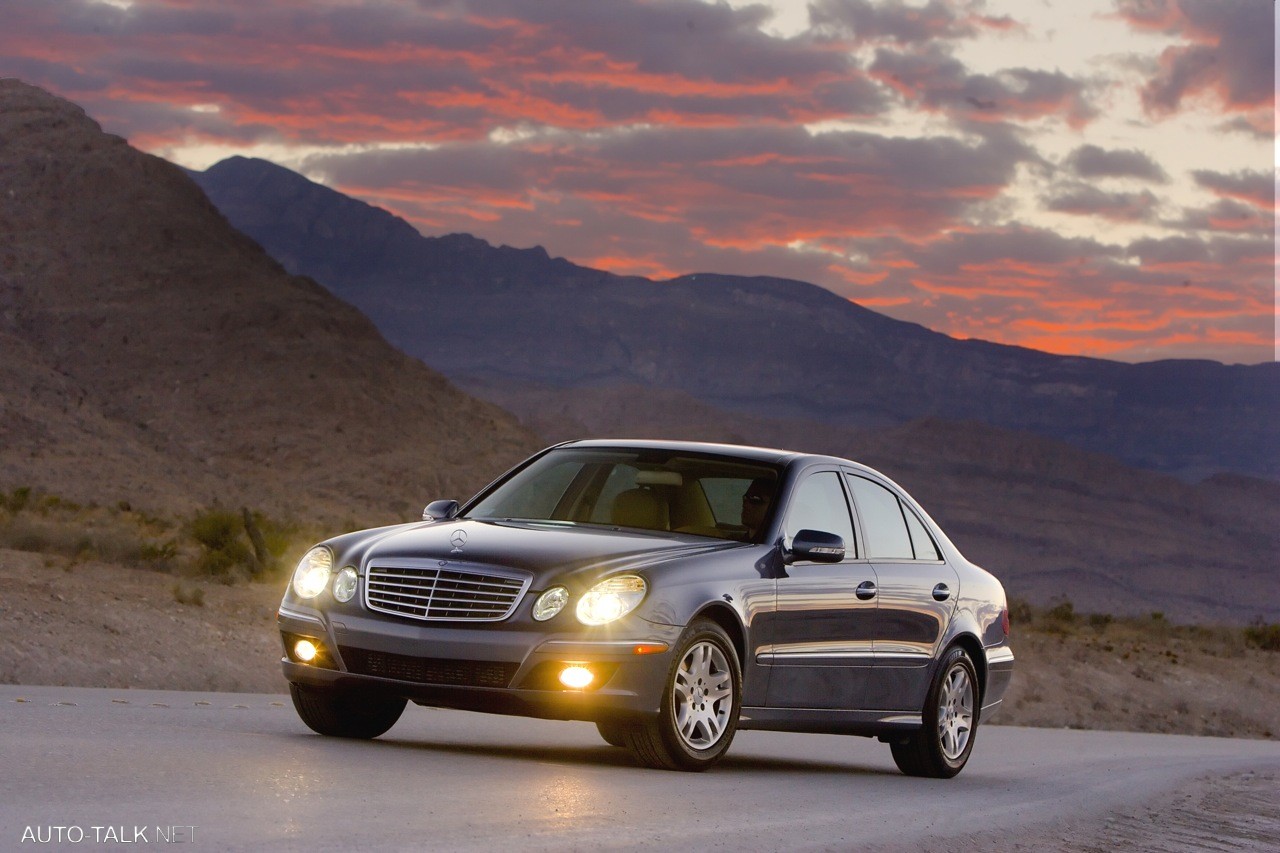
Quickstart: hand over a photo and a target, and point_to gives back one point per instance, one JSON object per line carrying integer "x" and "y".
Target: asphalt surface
{"x": 236, "y": 771}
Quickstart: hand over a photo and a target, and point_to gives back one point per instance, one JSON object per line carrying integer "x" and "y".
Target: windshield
{"x": 718, "y": 496}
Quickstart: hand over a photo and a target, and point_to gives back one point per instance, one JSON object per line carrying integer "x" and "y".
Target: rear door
{"x": 917, "y": 593}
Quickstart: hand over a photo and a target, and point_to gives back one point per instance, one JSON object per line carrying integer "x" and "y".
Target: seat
{"x": 642, "y": 508}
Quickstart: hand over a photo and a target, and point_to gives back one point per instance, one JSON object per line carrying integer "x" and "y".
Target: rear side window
{"x": 921, "y": 541}
{"x": 883, "y": 523}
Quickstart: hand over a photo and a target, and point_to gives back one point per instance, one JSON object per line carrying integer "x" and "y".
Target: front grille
{"x": 432, "y": 592}
{"x": 463, "y": 673}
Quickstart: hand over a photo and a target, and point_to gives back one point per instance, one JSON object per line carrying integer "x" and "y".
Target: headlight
{"x": 550, "y": 603}
{"x": 344, "y": 585}
{"x": 312, "y": 574}
{"x": 611, "y": 599}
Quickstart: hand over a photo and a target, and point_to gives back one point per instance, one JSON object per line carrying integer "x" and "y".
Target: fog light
{"x": 305, "y": 651}
{"x": 576, "y": 677}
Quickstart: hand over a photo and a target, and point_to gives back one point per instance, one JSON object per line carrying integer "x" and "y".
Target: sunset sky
{"x": 1082, "y": 176}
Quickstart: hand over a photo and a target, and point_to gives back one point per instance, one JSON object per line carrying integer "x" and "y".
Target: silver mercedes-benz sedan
{"x": 670, "y": 592}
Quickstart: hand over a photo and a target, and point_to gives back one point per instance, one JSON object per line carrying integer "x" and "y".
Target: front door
{"x": 822, "y": 632}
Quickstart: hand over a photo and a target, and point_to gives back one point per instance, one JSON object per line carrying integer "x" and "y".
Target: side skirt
{"x": 823, "y": 721}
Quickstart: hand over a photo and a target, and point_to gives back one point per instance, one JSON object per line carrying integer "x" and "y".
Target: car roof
{"x": 756, "y": 454}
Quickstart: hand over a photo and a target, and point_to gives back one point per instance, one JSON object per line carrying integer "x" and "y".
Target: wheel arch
{"x": 726, "y": 618}
{"x": 973, "y": 647}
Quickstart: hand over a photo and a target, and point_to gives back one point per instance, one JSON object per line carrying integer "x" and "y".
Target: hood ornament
{"x": 457, "y": 539}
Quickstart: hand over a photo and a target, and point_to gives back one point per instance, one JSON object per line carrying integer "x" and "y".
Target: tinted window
{"x": 819, "y": 504}
{"x": 653, "y": 489}
{"x": 920, "y": 538}
{"x": 882, "y": 523}
{"x": 621, "y": 478}
{"x": 724, "y": 497}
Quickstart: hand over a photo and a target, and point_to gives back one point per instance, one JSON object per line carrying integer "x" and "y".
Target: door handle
{"x": 866, "y": 591}
{"x": 941, "y": 592}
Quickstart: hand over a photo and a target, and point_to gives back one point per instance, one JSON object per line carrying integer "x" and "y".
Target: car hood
{"x": 553, "y": 552}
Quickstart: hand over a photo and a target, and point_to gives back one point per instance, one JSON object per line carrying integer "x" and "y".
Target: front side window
{"x": 819, "y": 504}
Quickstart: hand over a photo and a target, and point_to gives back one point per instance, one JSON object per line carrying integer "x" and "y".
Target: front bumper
{"x": 504, "y": 668}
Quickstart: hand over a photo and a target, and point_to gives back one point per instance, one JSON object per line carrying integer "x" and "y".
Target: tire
{"x": 614, "y": 734}
{"x": 940, "y": 749}
{"x": 342, "y": 714}
{"x": 701, "y": 700}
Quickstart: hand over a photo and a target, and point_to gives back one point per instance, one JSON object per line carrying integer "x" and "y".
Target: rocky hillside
{"x": 485, "y": 314}
{"x": 150, "y": 352}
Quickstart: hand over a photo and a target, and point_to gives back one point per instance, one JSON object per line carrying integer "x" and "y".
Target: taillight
{"x": 1004, "y": 621}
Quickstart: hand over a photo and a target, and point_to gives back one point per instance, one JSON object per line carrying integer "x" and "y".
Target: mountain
{"x": 489, "y": 316}
{"x": 150, "y": 352}
{"x": 1052, "y": 521}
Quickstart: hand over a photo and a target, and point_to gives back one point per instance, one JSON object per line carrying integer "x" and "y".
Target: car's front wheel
{"x": 339, "y": 713}
{"x": 942, "y": 747}
{"x": 700, "y": 704}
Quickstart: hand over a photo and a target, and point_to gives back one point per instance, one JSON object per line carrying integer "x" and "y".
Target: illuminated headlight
{"x": 550, "y": 603}
{"x": 313, "y": 572}
{"x": 611, "y": 599}
{"x": 344, "y": 585}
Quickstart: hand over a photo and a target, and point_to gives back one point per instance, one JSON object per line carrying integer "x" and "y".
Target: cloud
{"x": 869, "y": 153}
{"x": 335, "y": 73}
{"x": 741, "y": 186}
{"x": 1229, "y": 54}
{"x": 1090, "y": 161}
{"x": 937, "y": 81}
{"x": 1227, "y": 215}
{"x": 1256, "y": 188}
{"x": 895, "y": 21}
{"x": 1087, "y": 200}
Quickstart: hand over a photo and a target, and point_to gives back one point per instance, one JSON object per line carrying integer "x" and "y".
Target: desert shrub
{"x": 216, "y": 529}
{"x": 1100, "y": 621}
{"x": 17, "y": 500}
{"x": 1059, "y": 619}
{"x": 222, "y": 536}
{"x": 1020, "y": 611}
{"x": 1263, "y": 636}
{"x": 53, "y": 503}
{"x": 190, "y": 595}
{"x": 1064, "y": 611}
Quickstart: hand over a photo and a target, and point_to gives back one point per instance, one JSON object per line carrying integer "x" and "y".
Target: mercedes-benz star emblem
{"x": 458, "y": 538}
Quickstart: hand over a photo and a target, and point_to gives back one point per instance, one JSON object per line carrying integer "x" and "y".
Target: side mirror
{"x": 816, "y": 546}
{"x": 440, "y": 510}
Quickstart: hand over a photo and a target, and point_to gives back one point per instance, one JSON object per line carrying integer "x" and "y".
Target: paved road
{"x": 246, "y": 774}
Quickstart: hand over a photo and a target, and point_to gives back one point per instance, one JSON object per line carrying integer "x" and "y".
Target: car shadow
{"x": 609, "y": 756}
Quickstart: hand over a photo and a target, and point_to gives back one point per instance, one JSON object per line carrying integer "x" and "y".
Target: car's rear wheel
{"x": 701, "y": 700}
{"x": 339, "y": 713}
{"x": 942, "y": 747}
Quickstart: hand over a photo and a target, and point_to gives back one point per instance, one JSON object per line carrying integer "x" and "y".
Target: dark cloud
{"x": 895, "y": 21}
{"x": 662, "y": 137}
{"x": 334, "y": 74}
{"x": 1230, "y": 51}
{"x": 740, "y": 185}
{"x": 938, "y": 81}
{"x": 1090, "y": 161}
{"x": 1260, "y": 126}
{"x": 1227, "y": 215}
{"x": 1086, "y": 200}
{"x": 1257, "y": 188}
